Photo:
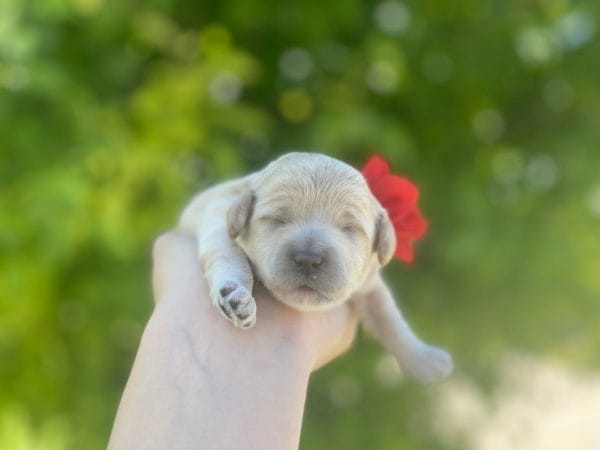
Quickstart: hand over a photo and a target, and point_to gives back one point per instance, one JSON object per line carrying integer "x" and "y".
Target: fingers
{"x": 175, "y": 265}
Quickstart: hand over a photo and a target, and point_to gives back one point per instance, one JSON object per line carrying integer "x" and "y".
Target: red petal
{"x": 410, "y": 226}
{"x": 396, "y": 193}
{"x": 399, "y": 196}
{"x": 404, "y": 251}
{"x": 375, "y": 167}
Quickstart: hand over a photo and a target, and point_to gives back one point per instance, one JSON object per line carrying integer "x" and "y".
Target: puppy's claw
{"x": 427, "y": 364}
{"x": 237, "y": 304}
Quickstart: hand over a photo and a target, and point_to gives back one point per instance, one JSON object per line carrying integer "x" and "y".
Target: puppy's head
{"x": 311, "y": 229}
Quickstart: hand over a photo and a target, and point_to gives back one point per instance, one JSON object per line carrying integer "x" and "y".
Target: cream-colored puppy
{"x": 308, "y": 228}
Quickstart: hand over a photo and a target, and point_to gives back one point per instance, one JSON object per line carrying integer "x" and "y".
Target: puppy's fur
{"x": 308, "y": 228}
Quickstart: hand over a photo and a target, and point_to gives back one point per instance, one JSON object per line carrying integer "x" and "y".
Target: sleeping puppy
{"x": 308, "y": 228}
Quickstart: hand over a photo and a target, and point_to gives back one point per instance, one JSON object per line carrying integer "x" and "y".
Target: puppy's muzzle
{"x": 307, "y": 258}
{"x": 308, "y": 263}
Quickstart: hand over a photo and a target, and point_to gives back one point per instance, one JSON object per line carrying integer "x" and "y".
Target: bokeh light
{"x": 507, "y": 166}
{"x": 488, "y": 125}
{"x": 536, "y": 45}
{"x": 542, "y": 172}
{"x": 575, "y": 29}
{"x": 558, "y": 94}
{"x": 296, "y": 64}
{"x": 225, "y": 88}
{"x": 344, "y": 391}
{"x": 392, "y": 17}
{"x": 15, "y": 77}
{"x": 295, "y": 105}
{"x": 593, "y": 200}
{"x": 382, "y": 77}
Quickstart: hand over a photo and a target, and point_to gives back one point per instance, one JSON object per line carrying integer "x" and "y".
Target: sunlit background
{"x": 113, "y": 113}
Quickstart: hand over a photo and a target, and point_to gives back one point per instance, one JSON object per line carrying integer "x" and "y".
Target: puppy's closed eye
{"x": 349, "y": 223}
{"x": 276, "y": 217}
{"x": 352, "y": 229}
{"x": 274, "y": 221}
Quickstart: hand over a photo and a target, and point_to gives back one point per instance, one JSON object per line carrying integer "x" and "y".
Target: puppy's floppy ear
{"x": 385, "y": 238}
{"x": 239, "y": 214}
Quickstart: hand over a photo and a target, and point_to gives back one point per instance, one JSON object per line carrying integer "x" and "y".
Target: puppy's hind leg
{"x": 381, "y": 317}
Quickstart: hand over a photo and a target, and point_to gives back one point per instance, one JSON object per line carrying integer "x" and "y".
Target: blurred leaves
{"x": 112, "y": 114}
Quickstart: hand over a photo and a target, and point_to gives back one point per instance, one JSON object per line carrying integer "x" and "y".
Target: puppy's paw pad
{"x": 429, "y": 364}
{"x": 237, "y": 304}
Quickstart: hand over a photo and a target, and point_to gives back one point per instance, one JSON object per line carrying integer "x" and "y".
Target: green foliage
{"x": 112, "y": 114}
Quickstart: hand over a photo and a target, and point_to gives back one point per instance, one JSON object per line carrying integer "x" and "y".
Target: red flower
{"x": 398, "y": 196}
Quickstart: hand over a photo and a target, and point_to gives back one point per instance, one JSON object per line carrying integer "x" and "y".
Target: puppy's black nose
{"x": 307, "y": 260}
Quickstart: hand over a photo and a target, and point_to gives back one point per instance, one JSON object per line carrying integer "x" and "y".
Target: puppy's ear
{"x": 239, "y": 214}
{"x": 385, "y": 239}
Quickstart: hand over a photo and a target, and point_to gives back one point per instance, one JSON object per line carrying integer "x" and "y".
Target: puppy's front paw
{"x": 427, "y": 364}
{"x": 237, "y": 304}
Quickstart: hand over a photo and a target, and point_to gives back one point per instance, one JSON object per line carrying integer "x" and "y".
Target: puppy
{"x": 308, "y": 228}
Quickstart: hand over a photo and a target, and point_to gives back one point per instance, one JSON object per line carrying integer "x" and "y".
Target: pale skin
{"x": 198, "y": 382}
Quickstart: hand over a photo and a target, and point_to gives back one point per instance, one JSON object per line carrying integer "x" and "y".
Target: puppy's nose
{"x": 307, "y": 260}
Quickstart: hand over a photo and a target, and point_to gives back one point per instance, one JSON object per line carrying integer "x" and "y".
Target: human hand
{"x": 180, "y": 287}
{"x": 199, "y": 382}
